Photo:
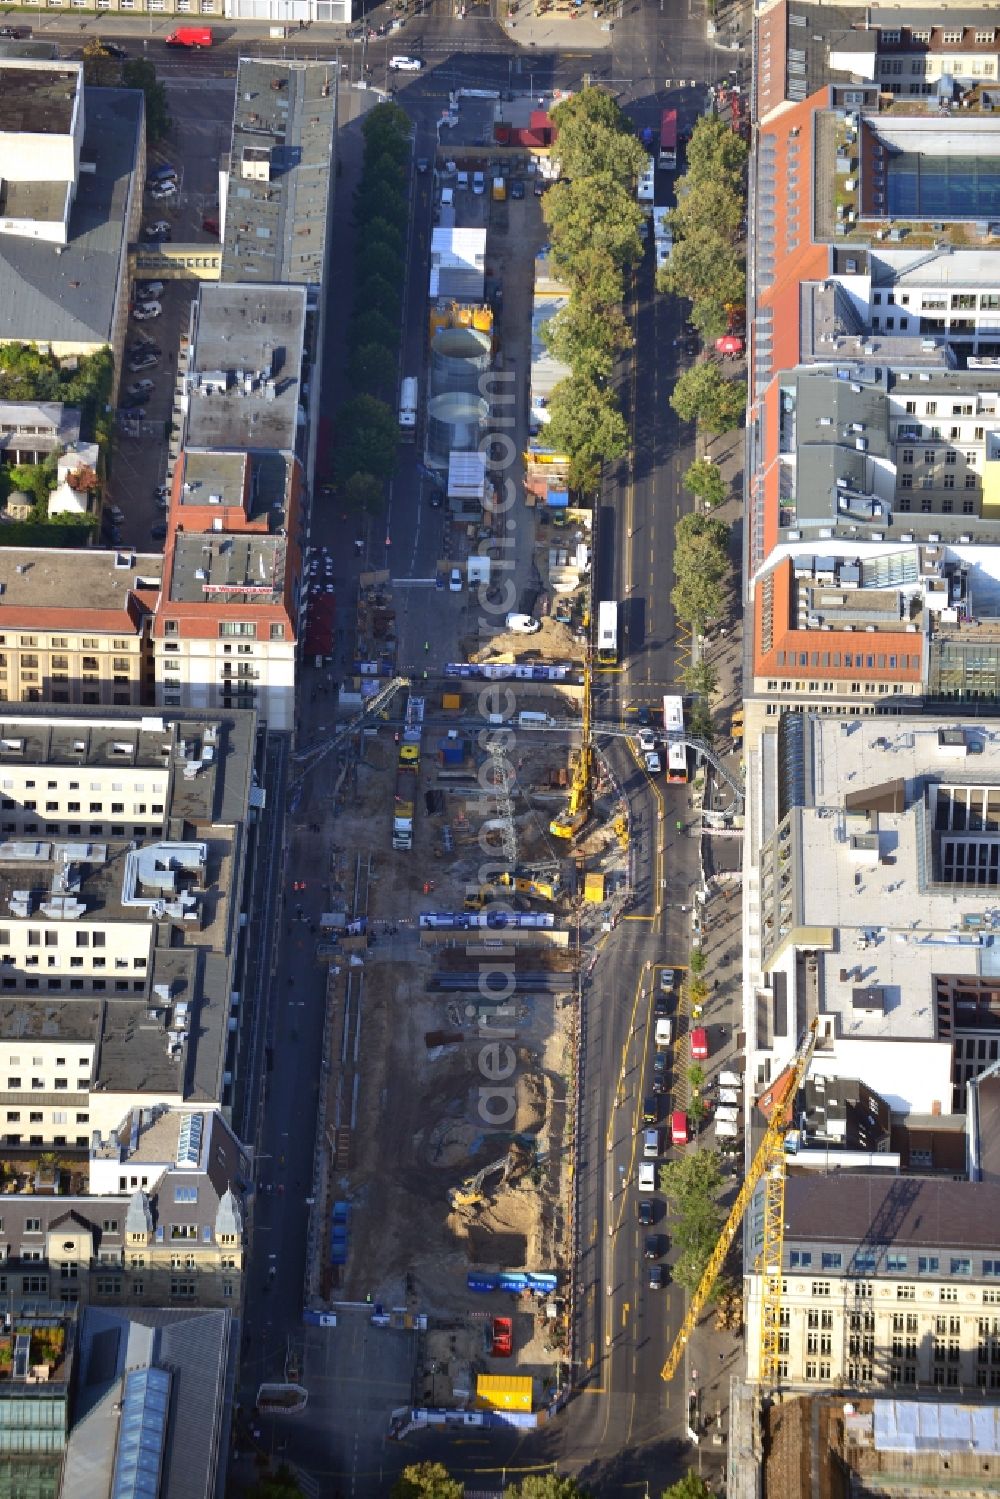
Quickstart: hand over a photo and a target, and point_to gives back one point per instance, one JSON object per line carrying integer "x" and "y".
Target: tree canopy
{"x": 704, "y": 478}
{"x": 595, "y": 138}
{"x": 691, "y": 1486}
{"x": 592, "y": 212}
{"x": 366, "y": 436}
{"x": 703, "y": 394}
{"x": 701, "y": 568}
{"x": 427, "y": 1481}
{"x": 586, "y": 422}
{"x": 140, "y": 74}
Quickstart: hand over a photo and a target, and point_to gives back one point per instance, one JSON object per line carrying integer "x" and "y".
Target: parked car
{"x": 539, "y": 189}
{"x": 647, "y": 1176}
{"x": 158, "y": 174}
{"x": 146, "y": 311}
{"x": 651, "y": 760}
{"x": 210, "y": 226}
{"x": 113, "y": 49}
{"x": 423, "y": 165}
{"x": 660, "y": 1073}
{"x": 162, "y": 191}
{"x": 647, "y": 1212}
{"x": 667, "y": 979}
{"x": 15, "y": 33}
{"x": 651, "y": 1144}
{"x": 158, "y": 230}
{"x": 522, "y": 624}
{"x": 159, "y": 531}
{"x": 131, "y": 403}
{"x": 139, "y": 387}
{"x": 479, "y": 183}
{"x": 656, "y": 1280}
{"x": 455, "y": 581}
{"x": 646, "y": 741}
{"x": 652, "y": 1247}
{"x": 436, "y": 498}
{"x": 517, "y": 189}
{"x": 143, "y": 362}
{"x": 148, "y": 291}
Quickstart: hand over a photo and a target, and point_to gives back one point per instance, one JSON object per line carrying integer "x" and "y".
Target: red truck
{"x": 668, "y": 141}
{"x": 194, "y": 37}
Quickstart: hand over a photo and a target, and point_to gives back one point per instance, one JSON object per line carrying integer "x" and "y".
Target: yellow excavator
{"x": 472, "y": 1191}
{"x": 519, "y": 882}
{"x": 576, "y": 813}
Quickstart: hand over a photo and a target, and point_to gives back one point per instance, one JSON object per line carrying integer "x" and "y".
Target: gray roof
{"x": 198, "y": 1348}
{"x": 43, "y": 425}
{"x": 285, "y": 119}
{"x": 832, "y": 417}
{"x": 71, "y": 297}
{"x": 903, "y": 1211}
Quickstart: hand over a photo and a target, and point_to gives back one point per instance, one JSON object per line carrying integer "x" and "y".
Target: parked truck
{"x": 407, "y": 775}
{"x": 408, "y": 408}
{"x": 193, "y": 37}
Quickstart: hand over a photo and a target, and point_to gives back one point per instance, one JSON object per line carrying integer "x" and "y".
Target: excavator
{"x": 471, "y": 1192}
{"x": 576, "y": 813}
{"x": 536, "y": 884}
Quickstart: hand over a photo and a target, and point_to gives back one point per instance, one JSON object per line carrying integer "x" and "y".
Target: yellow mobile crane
{"x": 769, "y": 1160}
{"x": 577, "y": 810}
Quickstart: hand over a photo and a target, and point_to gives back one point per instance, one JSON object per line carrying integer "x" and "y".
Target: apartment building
{"x": 76, "y": 626}
{"x": 226, "y": 627}
{"x": 888, "y": 1281}
{"x": 871, "y": 869}
{"x": 122, "y": 867}
{"x": 31, "y": 431}
{"x": 72, "y": 162}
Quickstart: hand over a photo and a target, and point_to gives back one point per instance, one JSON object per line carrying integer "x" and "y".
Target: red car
{"x": 210, "y": 226}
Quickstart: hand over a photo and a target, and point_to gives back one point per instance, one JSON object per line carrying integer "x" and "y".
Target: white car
{"x": 647, "y": 741}
{"x": 522, "y": 624}
{"x": 479, "y": 183}
{"x": 145, "y": 311}
{"x": 162, "y": 190}
{"x": 455, "y": 581}
{"x": 405, "y": 64}
{"x": 651, "y": 760}
{"x": 647, "y": 1176}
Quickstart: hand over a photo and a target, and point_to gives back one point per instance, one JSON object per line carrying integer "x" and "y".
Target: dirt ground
{"x": 553, "y": 642}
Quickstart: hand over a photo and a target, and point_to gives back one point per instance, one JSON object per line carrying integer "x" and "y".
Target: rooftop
{"x": 242, "y": 489}
{"x": 282, "y": 164}
{"x": 89, "y": 589}
{"x": 37, "y": 98}
{"x": 844, "y": 1207}
{"x": 247, "y": 568}
{"x": 243, "y": 385}
{"x": 70, "y": 297}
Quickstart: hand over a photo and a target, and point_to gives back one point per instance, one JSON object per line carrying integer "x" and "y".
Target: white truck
{"x": 408, "y": 408}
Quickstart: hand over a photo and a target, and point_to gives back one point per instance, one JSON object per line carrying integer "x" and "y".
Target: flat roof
{"x": 213, "y": 478}
{"x": 66, "y": 581}
{"x": 259, "y": 484}
{"x": 71, "y": 297}
{"x": 285, "y": 117}
{"x": 243, "y": 384}
{"x": 241, "y": 568}
{"x": 842, "y": 1207}
{"x": 38, "y": 99}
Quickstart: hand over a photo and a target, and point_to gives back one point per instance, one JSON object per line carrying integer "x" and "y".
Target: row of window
{"x": 60, "y": 695}
{"x": 36, "y": 1116}
{"x": 894, "y": 1262}
{"x": 88, "y": 985}
{"x": 931, "y": 68}
{"x": 850, "y": 660}
{"x": 73, "y": 829}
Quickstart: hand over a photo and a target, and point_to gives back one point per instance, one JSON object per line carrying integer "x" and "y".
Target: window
{"x": 960, "y": 1265}
{"x": 799, "y": 1259}
{"x": 832, "y": 1260}
{"x": 948, "y": 1293}
{"x": 906, "y": 1293}
{"x": 895, "y": 1262}
{"x": 821, "y": 1288}
{"x": 237, "y": 627}
{"x": 185, "y": 1194}
{"x": 182, "y": 1289}
{"x": 928, "y": 1264}
{"x": 864, "y": 1261}
{"x": 32, "y": 1225}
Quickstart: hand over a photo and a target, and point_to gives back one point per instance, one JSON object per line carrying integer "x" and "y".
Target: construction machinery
{"x": 471, "y": 1192}
{"x": 576, "y": 813}
{"x": 769, "y": 1163}
{"x": 532, "y": 883}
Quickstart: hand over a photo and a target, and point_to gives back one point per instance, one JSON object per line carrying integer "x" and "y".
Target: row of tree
{"x": 692, "y": 1183}
{"x": 432, "y": 1481}
{"x": 366, "y": 429}
{"x": 102, "y": 70}
{"x": 593, "y": 221}
{"x": 701, "y": 569}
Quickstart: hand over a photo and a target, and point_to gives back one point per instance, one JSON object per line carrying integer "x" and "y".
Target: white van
{"x": 447, "y": 197}
{"x": 651, "y": 1144}
{"x": 664, "y": 1033}
{"x": 533, "y": 720}
{"x": 522, "y": 624}
{"x": 647, "y": 1176}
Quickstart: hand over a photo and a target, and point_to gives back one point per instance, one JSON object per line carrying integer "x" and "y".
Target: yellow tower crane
{"x": 576, "y": 813}
{"x": 770, "y": 1162}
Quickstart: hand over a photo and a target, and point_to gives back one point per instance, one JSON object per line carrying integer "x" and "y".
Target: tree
{"x": 693, "y": 1178}
{"x": 586, "y": 422}
{"x": 100, "y": 69}
{"x": 380, "y": 260}
{"x": 703, "y": 394}
{"x": 709, "y": 316}
{"x": 701, "y": 564}
{"x": 697, "y": 962}
{"x": 427, "y": 1481}
{"x": 700, "y": 724}
{"x": 692, "y": 1183}
{"x": 588, "y": 341}
{"x": 704, "y": 478}
{"x": 369, "y": 326}
{"x": 696, "y": 1111}
{"x": 703, "y": 265}
{"x": 386, "y": 128}
{"x": 279, "y": 1485}
{"x": 375, "y": 200}
{"x": 365, "y": 439}
{"x": 381, "y": 232}
{"x": 700, "y": 677}
{"x": 703, "y": 204}
{"x": 691, "y": 1486}
{"x": 696, "y": 1077}
{"x": 364, "y": 493}
{"x": 595, "y": 276}
{"x": 380, "y": 295}
{"x": 373, "y": 368}
{"x": 546, "y": 1486}
{"x": 592, "y": 212}
{"x": 388, "y": 171}
{"x": 596, "y": 138}
{"x": 716, "y": 154}
{"x": 140, "y": 74}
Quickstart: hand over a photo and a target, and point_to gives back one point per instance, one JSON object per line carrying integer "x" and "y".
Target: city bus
{"x": 607, "y": 632}
{"x": 673, "y": 723}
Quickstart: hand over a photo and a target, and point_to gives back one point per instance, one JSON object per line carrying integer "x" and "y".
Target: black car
{"x": 129, "y": 403}
{"x": 15, "y": 33}
{"x": 158, "y": 532}
{"x": 113, "y": 50}
{"x": 517, "y": 189}
{"x": 656, "y": 1280}
{"x": 652, "y": 1247}
{"x": 650, "y": 1109}
{"x": 660, "y": 1073}
{"x": 645, "y": 1212}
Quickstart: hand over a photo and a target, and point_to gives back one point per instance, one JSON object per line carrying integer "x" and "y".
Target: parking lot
{"x": 155, "y": 346}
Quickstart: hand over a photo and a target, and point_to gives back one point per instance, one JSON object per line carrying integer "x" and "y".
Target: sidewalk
{"x": 584, "y": 30}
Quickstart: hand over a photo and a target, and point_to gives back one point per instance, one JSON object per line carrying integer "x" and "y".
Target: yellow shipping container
{"x": 593, "y": 889}
{"x": 503, "y": 1392}
{"x": 451, "y": 702}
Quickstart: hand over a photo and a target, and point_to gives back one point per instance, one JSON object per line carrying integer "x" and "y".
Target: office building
{"x": 122, "y": 867}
